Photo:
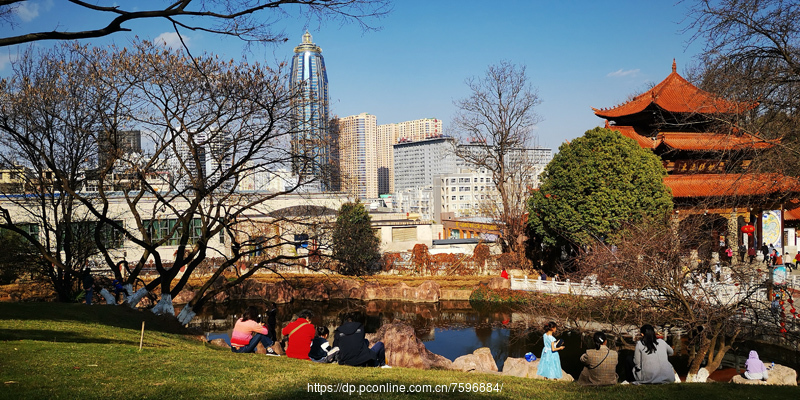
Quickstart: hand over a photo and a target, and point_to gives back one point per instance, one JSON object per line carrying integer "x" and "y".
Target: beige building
{"x": 391, "y": 134}
{"x": 358, "y": 158}
{"x": 418, "y": 129}
{"x": 386, "y": 138}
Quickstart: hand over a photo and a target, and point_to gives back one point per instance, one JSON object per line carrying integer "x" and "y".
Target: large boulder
{"x": 427, "y": 292}
{"x": 281, "y": 292}
{"x": 404, "y": 349}
{"x": 249, "y": 289}
{"x": 372, "y": 291}
{"x": 313, "y": 293}
{"x": 480, "y": 360}
{"x": 780, "y": 375}
{"x": 220, "y": 343}
{"x": 400, "y": 291}
{"x": 521, "y": 368}
{"x": 499, "y": 283}
{"x": 347, "y": 289}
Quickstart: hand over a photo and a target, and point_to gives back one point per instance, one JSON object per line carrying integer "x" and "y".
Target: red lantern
{"x": 748, "y": 229}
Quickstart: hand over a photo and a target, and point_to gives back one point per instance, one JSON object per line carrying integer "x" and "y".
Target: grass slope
{"x": 70, "y": 351}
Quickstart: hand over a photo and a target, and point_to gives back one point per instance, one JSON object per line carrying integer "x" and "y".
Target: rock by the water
{"x": 780, "y": 375}
{"x": 404, "y": 349}
{"x": 499, "y": 283}
{"x": 520, "y": 367}
{"x": 480, "y": 360}
{"x": 220, "y": 343}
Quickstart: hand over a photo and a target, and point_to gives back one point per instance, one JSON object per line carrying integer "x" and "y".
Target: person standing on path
{"x": 88, "y": 284}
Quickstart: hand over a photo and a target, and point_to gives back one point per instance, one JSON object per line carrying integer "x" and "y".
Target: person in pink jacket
{"x": 249, "y": 332}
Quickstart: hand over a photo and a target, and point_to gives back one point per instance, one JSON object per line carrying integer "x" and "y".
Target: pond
{"x": 455, "y": 328}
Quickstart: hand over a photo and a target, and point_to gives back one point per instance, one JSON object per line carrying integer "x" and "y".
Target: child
{"x": 320, "y": 345}
{"x": 550, "y": 363}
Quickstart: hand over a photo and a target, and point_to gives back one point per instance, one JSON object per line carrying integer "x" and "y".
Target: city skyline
{"x": 579, "y": 54}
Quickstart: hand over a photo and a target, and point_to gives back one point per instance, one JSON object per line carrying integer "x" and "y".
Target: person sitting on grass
{"x": 299, "y": 334}
{"x": 320, "y": 346}
{"x": 650, "y": 358}
{"x": 354, "y": 348}
{"x": 249, "y": 332}
{"x": 600, "y": 364}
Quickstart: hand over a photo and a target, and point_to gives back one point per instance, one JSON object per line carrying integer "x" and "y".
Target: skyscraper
{"x": 311, "y": 139}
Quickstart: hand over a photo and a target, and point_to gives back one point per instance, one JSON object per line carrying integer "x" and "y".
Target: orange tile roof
{"x": 675, "y": 94}
{"x": 629, "y": 132}
{"x": 792, "y": 215}
{"x": 710, "y": 141}
{"x": 719, "y": 185}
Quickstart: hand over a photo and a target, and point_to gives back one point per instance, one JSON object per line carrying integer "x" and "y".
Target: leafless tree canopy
{"x": 496, "y": 121}
{"x": 654, "y": 276}
{"x": 249, "y": 20}
{"x": 206, "y": 125}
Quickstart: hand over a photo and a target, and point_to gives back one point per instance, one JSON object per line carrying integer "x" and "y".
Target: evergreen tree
{"x": 355, "y": 244}
{"x": 593, "y": 186}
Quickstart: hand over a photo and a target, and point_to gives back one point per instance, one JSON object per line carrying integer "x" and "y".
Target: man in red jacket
{"x": 300, "y": 333}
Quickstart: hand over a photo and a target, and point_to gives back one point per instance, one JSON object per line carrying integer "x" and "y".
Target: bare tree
{"x": 752, "y": 53}
{"x": 208, "y": 125}
{"x": 653, "y": 276}
{"x": 53, "y": 110}
{"x": 252, "y": 21}
{"x": 497, "y": 122}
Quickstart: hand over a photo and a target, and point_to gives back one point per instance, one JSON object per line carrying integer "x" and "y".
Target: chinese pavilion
{"x": 706, "y": 158}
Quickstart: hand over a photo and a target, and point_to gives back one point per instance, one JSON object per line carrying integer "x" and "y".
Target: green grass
{"x": 71, "y": 351}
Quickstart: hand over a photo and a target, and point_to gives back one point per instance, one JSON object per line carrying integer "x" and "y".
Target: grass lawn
{"x": 73, "y": 351}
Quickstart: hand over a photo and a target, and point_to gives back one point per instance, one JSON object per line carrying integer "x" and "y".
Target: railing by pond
{"x": 723, "y": 292}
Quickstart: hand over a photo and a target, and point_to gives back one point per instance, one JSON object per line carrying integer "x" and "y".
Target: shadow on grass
{"x": 109, "y": 315}
{"x": 56, "y": 336}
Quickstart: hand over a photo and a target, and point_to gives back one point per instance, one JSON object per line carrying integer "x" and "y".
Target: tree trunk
{"x": 110, "y": 299}
{"x": 699, "y": 356}
{"x": 164, "y": 305}
{"x": 186, "y": 315}
{"x": 128, "y": 290}
{"x": 134, "y": 299}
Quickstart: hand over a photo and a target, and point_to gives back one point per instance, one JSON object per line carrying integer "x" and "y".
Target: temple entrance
{"x": 705, "y": 235}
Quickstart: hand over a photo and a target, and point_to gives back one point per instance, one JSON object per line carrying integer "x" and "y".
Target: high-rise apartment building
{"x": 416, "y": 163}
{"x": 202, "y": 158}
{"x": 418, "y": 129}
{"x": 358, "y": 158}
{"x": 391, "y": 134}
{"x": 116, "y": 144}
{"x": 311, "y": 139}
{"x": 385, "y": 152}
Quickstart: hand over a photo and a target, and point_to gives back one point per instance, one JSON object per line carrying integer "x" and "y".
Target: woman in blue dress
{"x": 550, "y": 362}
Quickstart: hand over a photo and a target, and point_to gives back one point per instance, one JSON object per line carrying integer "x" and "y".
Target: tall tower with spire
{"x": 312, "y": 137}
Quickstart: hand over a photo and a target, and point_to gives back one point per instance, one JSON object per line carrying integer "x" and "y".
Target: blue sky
{"x": 579, "y": 54}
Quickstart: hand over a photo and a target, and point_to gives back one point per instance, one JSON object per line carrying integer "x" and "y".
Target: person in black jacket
{"x": 354, "y": 348}
{"x": 272, "y": 322}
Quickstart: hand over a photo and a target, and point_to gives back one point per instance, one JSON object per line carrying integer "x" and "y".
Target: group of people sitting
{"x": 649, "y": 364}
{"x": 304, "y": 341}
